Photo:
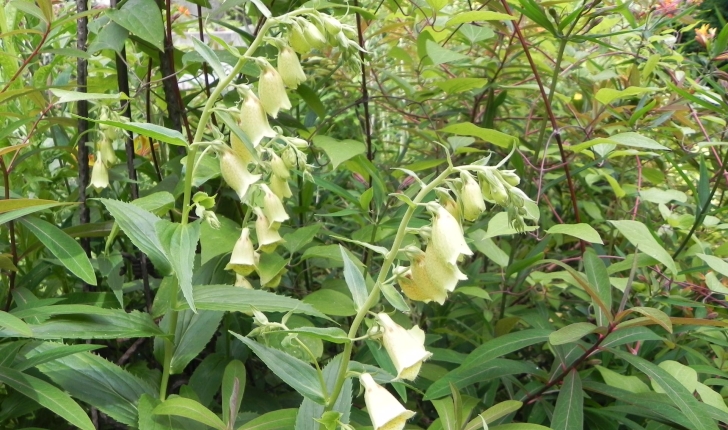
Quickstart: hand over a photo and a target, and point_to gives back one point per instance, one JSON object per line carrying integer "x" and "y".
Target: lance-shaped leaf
{"x": 179, "y": 242}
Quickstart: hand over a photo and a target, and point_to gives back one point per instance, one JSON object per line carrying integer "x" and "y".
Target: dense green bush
{"x": 386, "y": 215}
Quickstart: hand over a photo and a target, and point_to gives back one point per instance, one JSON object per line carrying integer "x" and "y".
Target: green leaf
{"x": 149, "y": 421}
{"x": 460, "y": 85}
{"x": 446, "y": 412}
{"x": 142, "y": 18}
{"x": 655, "y": 315}
{"x": 90, "y": 378}
{"x": 331, "y": 302}
{"x": 638, "y": 234}
{"x": 262, "y": 8}
{"x": 571, "y": 333}
{"x": 232, "y": 299}
{"x": 157, "y": 203}
{"x": 464, "y": 375}
{"x": 233, "y": 388}
{"x": 188, "y": 408}
{"x": 630, "y": 139}
{"x": 109, "y": 324}
{"x": 489, "y": 248}
{"x": 310, "y": 411}
{"x": 63, "y": 247}
{"x": 339, "y": 151}
{"x": 179, "y": 242}
{"x": 14, "y": 323}
{"x": 10, "y": 205}
{"x": 394, "y": 297}
{"x": 608, "y": 95}
{"x": 312, "y": 100}
{"x": 209, "y": 56}
{"x": 626, "y": 335}
{"x": 569, "y": 409}
{"x": 685, "y": 375}
{"x": 680, "y": 396}
{"x": 193, "y": 333}
{"x": 112, "y": 36}
{"x": 47, "y": 396}
{"x": 494, "y": 413}
{"x": 596, "y": 275}
{"x": 156, "y": 132}
{"x": 13, "y": 215}
{"x": 282, "y": 419}
{"x": 715, "y": 263}
{"x": 440, "y": 55}
{"x": 74, "y": 96}
{"x": 294, "y": 372}
{"x": 300, "y": 237}
{"x": 581, "y": 231}
{"x": 519, "y": 426}
{"x": 633, "y": 384}
{"x": 269, "y": 266}
{"x": 138, "y": 225}
{"x": 478, "y": 15}
{"x": 495, "y": 137}
{"x": 54, "y": 354}
{"x": 506, "y": 344}
{"x": 354, "y": 280}
{"x": 329, "y": 334}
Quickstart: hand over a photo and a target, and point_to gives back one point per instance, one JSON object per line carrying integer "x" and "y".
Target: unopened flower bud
{"x": 268, "y": 238}
{"x": 280, "y": 187}
{"x": 290, "y": 158}
{"x": 204, "y": 200}
{"x": 385, "y": 412}
{"x": 510, "y": 177}
{"x": 313, "y": 35}
{"x": 497, "y": 190}
{"x": 99, "y": 173}
{"x": 276, "y": 280}
{"x": 297, "y": 40}
{"x": 472, "y": 197}
{"x": 279, "y": 167}
{"x": 273, "y": 207}
{"x": 332, "y": 25}
{"x": 298, "y": 143}
{"x": 443, "y": 196}
{"x": 271, "y": 90}
{"x": 235, "y": 172}
{"x": 243, "y": 258}
{"x": 253, "y": 121}
{"x": 290, "y": 68}
{"x": 406, "y": 348}
{"x": 517, "y": 197}
{"x": 107, "y": 152}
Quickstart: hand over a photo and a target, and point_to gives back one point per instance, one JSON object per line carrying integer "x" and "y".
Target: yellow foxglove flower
{"x": 290, "y": 68}
{"x": 280, "y": 187}
{"x": 268, "y": 238}
{"x": 510, "y": 177}
{"x": 384, "y": 410}
{"x": 243, "y": 259}
{"x": 447, "y": 235}
{"x": 497, "y": 190}
{"x": 273, "y": 207}
{"x": 99, "y": 173}
{"x": 313, "y": 35}
{"x": 332, "y": 25}
{"x": 252, "y": 119}
{"x": 240, "y": 149}
{"x": 235, "y": 172}
{"x": 271, "y": 90}
{"x": 443, "y": 196}
{"x": 472, "y": 197}
{"x": 421, "y": 290}
{"x": 406, "y": 348}
{"x": 107, "y": 152}
{"x": 430, "y": 277}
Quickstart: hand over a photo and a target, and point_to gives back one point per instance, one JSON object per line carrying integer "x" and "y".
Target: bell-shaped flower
{"x": 430, "y": 278}
{"x": 290, "y": 68}
{"x": 235, "y": 172}
{"x": 99, "y": 173}
{"x": 471, "y": 197}
{"x": 447, "y": 235}
{"x": 252, "y": 119}
{"x": 273, "y": 207}
{"x": 268, "y": 238}
{"x": 243, "y": 259}
{"x": 280, "y": 187}
{"x": 493, "y": 188}
{"x": 241, "y": 282}
{"x": 446, "y": 200}
{"x": 385, "y": 412}
{"x": 271, "y": 90}
{"x": 423, "y": 290}
{"x": 406, "y": 348}
{"x": 241, "y": 149}
{"x": 107, "y": 152}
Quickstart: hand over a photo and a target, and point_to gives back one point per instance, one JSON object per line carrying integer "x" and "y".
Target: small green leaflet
{"x": 581, "y": 231}
{"x": 491, "y": 136}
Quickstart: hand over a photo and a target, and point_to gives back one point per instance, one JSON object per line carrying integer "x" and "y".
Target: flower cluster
{"x": 105, "y": 156}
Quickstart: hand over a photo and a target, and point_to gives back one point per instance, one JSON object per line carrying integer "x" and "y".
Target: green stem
{"x": 374, "y": 294}
{"x": 168, "y": 353}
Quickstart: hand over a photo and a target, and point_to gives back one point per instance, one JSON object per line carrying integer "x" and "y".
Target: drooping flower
{"x": 290, "y": 68}
{"x": 446, "y": 200}
{"x": 406, "y": 348}
{"x": 253, "y": 121}
{"x": 241, "y": 282}
{"x": 107, "y": 152}
{"x": 278, "y": 166}
{"x": 297, "y": 40}
{"x": 385, "y": 412}
{"x": 447, "y": 235}
{"x": 430, "y": 278}
{"x": 241, "y": 149}
{"x": 235, "y": 172}
{"x": 243, "y": 259}
{"x": 472, "y": 197}
{"x": 99, "y": 173}
{"x": 271, "y": 90}
{"x": 280, "y": 187}
{"x": 273, "y": 207}
{"x": 313, "y": 35}
{"x": 268, "y": 237}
